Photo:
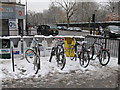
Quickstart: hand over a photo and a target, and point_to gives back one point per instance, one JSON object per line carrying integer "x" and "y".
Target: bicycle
{"x": 102, "y": 54}
{"x": 33, "y": 55}
{"x": 82, "y": 54}
{"x": 58, "y": 51}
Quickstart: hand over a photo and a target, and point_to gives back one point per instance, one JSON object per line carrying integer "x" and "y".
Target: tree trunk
{"x": 68, "y": 21}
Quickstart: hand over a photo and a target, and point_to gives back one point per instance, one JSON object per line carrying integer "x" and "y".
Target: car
{"x": 74, "y": 29}
{"x": 112, "y": 31}
{"x": 59, "y": 27}
{"x": 77, "y": 29}
{"x": 70, "y": 28}
{"x": 64, "y": 27}
{"x": 47, "y": 30}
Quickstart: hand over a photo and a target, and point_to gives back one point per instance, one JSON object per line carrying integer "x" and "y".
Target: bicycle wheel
{"x": 72, "y": 50}
{"x": 91, "y": 52}
{"x": 84, "y": 58}
{"x": 52, "y": 54}
{"x": 37, "y": 64}
{"x": 61, "y": 60}
{"x": 104, "y": 57}
{"x": 30, "y": 55}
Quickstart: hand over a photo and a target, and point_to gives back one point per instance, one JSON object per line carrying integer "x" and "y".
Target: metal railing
{"x": 110, "y": 43}
{"x": 113, "y": 44}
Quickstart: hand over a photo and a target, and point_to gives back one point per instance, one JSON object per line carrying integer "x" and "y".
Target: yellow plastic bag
{"x": 69, "y": 46}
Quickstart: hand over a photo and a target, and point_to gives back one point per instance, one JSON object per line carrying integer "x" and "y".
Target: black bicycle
{"x": 33, "y": 55}
{"x": 102, "y": 54}
{"x": 58, "y": 51}
{"x": 82, "y": 54}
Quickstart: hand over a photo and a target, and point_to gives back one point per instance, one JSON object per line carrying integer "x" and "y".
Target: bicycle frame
{"x": 55, "y": 51}
{"x": 58, "y": 51}
{"x": 36, "y": 47}
{"x": 75, "y": 48}
{"x": 101, "y": 48}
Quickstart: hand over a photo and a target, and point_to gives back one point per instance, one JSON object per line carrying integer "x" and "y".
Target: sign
{"x": 16, "y": 52}
{"x": 4, "y": 51}
{"x": 7, "y": 12}
{"x": 20, "y": 13}
{"x": 12, "y": 24}
{"x": 1, "y": 9}
{"x": 14, "y": 12}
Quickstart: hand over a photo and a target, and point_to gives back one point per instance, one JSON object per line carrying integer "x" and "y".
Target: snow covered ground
{"x": 23, "y": 69}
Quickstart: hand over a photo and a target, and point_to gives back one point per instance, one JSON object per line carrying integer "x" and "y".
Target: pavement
{"x": 73, "y": 79}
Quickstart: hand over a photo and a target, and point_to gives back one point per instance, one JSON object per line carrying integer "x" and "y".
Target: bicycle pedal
{"x": 93, "y": 59}
{"x": 60, "y": 63}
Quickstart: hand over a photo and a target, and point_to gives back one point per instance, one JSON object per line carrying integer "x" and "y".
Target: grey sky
{"x": 40, "y": 5}
{"x": 37, "y": 5}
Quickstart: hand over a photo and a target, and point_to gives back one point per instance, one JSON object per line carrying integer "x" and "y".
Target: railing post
{"x": 105, "y": 42}
{"x": 119, "y": 53}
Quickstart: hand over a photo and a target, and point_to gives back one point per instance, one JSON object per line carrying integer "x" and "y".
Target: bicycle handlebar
{"x": 36, "y": 42}
{"x": 81, "y": 43}
{"x": 95, "y": 42}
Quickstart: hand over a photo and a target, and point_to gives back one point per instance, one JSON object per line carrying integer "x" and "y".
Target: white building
{"x": 7, "y": 0}
{"x": 12, "y": 15}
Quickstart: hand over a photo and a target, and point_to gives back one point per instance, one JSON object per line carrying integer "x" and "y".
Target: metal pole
{"x": 26, "y": 19}
{"x": 119, "y": 53}
{"x": 13, "y": 60}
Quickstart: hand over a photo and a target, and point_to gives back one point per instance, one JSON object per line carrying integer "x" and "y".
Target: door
{"x": 20, "y": 27}
{"x": 4, "y": 27}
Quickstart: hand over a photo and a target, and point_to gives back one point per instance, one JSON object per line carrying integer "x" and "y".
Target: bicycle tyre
{"x": 73, "y": 51}
{"x": 37, "y": 64}
{"x": 84, "y": 59}
{"x": 91, "y": 52}
{"x": 30, "y": 55}
{"x": 61, "y": 60}
{"x": 52, "y": 54}
{"x": 101, "y": 57}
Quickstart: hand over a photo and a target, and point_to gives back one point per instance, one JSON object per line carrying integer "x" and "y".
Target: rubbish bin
{"x": 68, "y": 46}
{"x": 5, "y": 48}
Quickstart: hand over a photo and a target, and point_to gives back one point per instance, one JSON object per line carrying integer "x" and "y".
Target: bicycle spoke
{"x": 104, "y": 57}
{"x": 30, "y": 55}
{"x": 84, "y": 59}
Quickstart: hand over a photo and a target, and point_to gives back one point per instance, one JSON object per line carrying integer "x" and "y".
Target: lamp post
{"x": 26, "y": 20}
{"x": 22, "y": 40}
{"x": 93, "y": 20}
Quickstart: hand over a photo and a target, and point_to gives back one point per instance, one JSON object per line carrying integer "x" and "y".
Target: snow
{"x": 14, "y": 36}
{"x": 23, "y": 69}
{"x": 4, "y": 37}
{"x": 85, "y": 31}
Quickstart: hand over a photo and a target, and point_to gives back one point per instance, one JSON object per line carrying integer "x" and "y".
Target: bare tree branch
{"x": 69, "y": 9}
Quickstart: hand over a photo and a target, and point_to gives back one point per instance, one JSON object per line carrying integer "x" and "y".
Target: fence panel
{"x": 111, "y": 44}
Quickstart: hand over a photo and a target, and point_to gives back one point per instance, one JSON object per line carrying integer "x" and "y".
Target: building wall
{"x": 12, "y": 12}
{"x": 7, "y": 0}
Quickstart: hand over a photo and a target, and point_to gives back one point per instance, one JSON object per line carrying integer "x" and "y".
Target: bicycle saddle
{"x": 39, "y": 44}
